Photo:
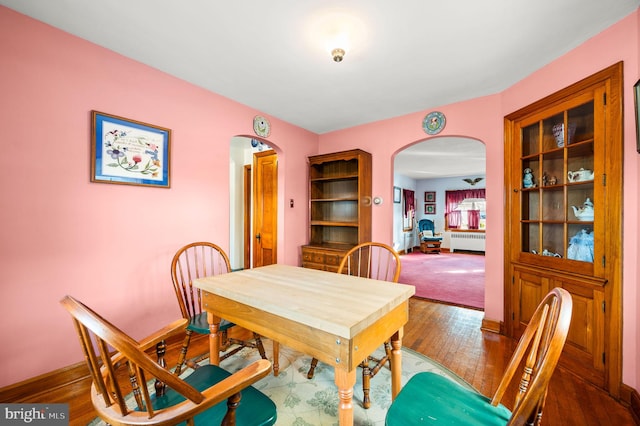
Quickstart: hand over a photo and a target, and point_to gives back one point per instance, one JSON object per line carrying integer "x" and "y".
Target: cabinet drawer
{"x": 312, "y": 256}
{"x": 321, "y": 258}
{"x": 311, "y": 265}
{"x": 332, "y": 259}
{"x": 330, "y": 268}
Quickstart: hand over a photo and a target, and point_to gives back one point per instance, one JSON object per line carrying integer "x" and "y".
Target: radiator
{"x": 408, "y": 242}
{"x": 467, "y": 241}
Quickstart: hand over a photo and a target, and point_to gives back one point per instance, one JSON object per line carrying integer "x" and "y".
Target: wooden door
{"x": 265, "y": 207}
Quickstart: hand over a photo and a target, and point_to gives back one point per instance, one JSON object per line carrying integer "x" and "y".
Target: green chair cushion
{"x": 200, "y": 325}
{"x": 255, "y": 409}
{"x": 430, "y": 398}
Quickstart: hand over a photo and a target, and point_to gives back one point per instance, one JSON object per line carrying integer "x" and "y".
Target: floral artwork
{"x": 129, "y": 152}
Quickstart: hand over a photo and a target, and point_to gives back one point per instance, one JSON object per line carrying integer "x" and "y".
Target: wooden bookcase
{"x": 552, "y": 239}
{"x": 339, "y": 207}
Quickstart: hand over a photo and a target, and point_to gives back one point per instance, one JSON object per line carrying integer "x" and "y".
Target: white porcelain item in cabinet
{"x": 579, "y": 175}
{"x": 585, "y": 212}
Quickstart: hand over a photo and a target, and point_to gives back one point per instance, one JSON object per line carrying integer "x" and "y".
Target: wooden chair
{"x": 199, "y": 260}
{"x": 429, "y": 398}
{"x": 197, "y": 399}
{"x": 380, "y": 262}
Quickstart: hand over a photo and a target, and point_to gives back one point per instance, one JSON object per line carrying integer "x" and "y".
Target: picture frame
{"x": 129, "y": 152}
{"x": 429, "y": 208}
{"x": 636, "y": 99}
{"x": 397, "y": 196}
{"x": 429, "y": 197}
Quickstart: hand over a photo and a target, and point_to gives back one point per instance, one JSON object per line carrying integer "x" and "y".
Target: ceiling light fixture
{"x": 337, "y": 54}
{"x": 334, "y": 32}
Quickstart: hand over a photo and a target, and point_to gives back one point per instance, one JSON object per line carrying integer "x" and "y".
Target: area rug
{"x": 304, "y": 402}
{"x": 455, "y": 278}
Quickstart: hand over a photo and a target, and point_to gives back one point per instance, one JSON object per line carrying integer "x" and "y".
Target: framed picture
{"x": 396, "y": 194}
{"x": 429, "y": 208}
{"x": 128, "y": 152}
{"x": 430, "y": 197}
{"x": 636, "y": 97}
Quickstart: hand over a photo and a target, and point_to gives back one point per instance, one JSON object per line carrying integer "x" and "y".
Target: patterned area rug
{"x": 304, "y": 402}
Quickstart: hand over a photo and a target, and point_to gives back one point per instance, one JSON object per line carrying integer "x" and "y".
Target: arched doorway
{"x": 243, "y": 151}
{"x": 432, "y": 168}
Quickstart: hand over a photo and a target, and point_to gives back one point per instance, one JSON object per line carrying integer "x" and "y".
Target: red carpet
{"x": 454, "y": 278}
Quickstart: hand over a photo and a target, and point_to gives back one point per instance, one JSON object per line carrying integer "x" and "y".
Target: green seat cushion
{"x": 432, "y": 399}
{"x": 200, "y": 325}
{"x": 255, "y": 409}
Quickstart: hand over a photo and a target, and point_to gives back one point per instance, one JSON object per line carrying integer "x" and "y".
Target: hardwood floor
{"x": 450, "y": 335}
{"x": 455, "y": 340}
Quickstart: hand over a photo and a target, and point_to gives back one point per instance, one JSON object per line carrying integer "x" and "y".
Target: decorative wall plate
{"x": 433, "y": 123}
{"x": 261, "y": 126}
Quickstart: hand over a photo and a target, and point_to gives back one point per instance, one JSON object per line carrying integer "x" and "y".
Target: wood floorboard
{"x": 452, "y": 336}
{"x": 479, "y": 357}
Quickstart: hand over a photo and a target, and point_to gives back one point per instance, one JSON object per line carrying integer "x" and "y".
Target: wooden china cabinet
{"x": 563, "y": 227}
{"x": 339, "y": 207}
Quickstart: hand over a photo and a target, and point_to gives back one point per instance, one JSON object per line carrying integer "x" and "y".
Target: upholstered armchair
{"x": 429, "y": 241}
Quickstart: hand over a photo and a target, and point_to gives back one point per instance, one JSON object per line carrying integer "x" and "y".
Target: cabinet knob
{"x": 515, "y": 190}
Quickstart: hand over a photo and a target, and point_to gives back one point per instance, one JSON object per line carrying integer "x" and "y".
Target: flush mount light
{"x": 337, "y": 55}
{"x": 335, "y": 31}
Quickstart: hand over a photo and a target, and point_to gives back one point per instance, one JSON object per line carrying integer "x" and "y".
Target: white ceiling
{"x": 442, "y": 157}
{"x": 403, "y": 56}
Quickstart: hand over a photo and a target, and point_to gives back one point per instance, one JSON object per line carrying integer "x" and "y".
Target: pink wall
{"x": 619, "y": 42}
{"x": 482, "y": 119}
{"x": 109, "y": 244}
{"x": 479, "y": 118}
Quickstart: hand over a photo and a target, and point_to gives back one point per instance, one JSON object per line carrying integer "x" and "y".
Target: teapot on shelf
{"x": 584, "y": 213}
{"x": 579, "y": 175}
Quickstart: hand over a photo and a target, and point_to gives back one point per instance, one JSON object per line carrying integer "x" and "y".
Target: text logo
{"x": 34, "y": 414}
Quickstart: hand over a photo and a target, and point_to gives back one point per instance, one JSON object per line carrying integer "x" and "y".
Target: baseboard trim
{"x": 417, "y": 248}
{"x": 37, "y": 388}
{"x": 630, "y": 397}
{"x": 492, "y": 326}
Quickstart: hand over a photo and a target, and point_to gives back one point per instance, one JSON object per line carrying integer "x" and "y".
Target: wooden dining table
{"x": 338, "y": 319}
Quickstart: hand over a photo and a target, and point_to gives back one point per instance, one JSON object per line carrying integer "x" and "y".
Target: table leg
{"x": 345, "y": 380}
{"x": 276, "y": 358}
{"x": 396, "y": 363}
{"x": 214, "y": 338}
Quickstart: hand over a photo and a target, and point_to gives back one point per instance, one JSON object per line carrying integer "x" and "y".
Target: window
{"x": 465, "y": 209}
{"x": 409, "y": 209}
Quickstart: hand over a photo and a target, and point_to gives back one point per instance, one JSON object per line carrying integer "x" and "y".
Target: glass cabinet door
{"x": 557, "y": 200}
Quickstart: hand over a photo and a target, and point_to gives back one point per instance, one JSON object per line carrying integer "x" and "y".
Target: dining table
{"x": 338, "y": 319}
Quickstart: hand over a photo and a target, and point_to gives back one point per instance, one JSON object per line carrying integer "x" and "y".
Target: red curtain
{"x": 453, "y": 198}
{"x": 409, "y": 202}
{"x": 409, "y": 209}
{"x": 473, "y": 219}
